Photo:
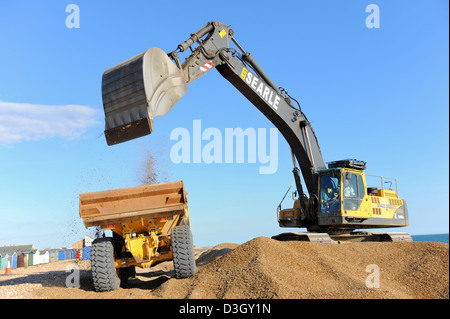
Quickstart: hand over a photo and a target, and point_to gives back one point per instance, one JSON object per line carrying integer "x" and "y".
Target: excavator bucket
{"x": 137, "y": 90}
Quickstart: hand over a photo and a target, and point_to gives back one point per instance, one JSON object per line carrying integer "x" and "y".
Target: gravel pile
{"x": 266, "y": 268}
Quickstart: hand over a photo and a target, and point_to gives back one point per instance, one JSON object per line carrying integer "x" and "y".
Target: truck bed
{"x": 131, "y": 203}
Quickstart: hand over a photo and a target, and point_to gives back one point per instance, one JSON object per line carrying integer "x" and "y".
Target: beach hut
{"x": 22, "y": 260}
{"x": 4, "y": 261}
{"x": 62, "y": 255}
{"x": 13, "y": 260}
{"x": 86, "y": 253}
{"x": 44, "y": 257}
{"x": 32, "y": 259}
{"x": 26, "y": 257}
{"x": 36, "y": 257}
{"x": 53, "y": 255}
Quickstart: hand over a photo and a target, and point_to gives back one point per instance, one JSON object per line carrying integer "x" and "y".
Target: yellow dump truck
{"x": 150, "y": 224}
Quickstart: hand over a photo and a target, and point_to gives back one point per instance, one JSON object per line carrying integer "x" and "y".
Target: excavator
{"x": 334, "y": 202}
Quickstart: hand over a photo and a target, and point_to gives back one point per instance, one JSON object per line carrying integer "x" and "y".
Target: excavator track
{"x": 360, "y": 236}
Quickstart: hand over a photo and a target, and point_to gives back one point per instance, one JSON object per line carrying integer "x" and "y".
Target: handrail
{"x": 383, "y": 182}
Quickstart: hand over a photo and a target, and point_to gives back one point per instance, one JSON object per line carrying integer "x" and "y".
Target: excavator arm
{"x": 241, "y": 70}
{"x": 151, "y": 83}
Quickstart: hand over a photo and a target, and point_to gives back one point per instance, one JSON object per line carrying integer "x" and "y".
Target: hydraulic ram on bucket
{"x": 137, "y": 90}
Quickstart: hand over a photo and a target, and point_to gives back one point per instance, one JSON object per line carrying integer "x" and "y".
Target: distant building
{"x": 87, "y": 241}
{"x": 15, "y": 249}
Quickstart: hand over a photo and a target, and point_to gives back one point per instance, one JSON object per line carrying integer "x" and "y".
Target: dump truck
{"x": 334, "y": 200}
{"x": 149, "y": 223}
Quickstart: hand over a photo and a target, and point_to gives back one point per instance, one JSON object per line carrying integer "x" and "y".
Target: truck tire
{"x": 183, "y": 252}
{"x": 104, "y": 274}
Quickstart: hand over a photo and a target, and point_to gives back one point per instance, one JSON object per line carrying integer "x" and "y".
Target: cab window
{"x": 353, "y": 191}
{"x": 329, "y": 193}
{"x": 361, "y": 187}
{"x": 350, "y": 187}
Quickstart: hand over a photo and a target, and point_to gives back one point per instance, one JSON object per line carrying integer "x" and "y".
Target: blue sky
{"x": 379, "y": 95}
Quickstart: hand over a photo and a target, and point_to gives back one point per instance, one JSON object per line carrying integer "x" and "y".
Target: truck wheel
{"x": 104, "y": 274}
{"x": 183, "y": 252}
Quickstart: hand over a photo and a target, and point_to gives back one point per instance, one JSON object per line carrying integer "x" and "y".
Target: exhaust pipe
{"x": 137, "y": 90}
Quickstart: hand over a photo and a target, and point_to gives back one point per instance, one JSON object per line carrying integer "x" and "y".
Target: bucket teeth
{"x": 126, "y": 132}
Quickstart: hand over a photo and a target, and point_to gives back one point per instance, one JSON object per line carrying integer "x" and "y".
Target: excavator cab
{"x": 346, "y": 202}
